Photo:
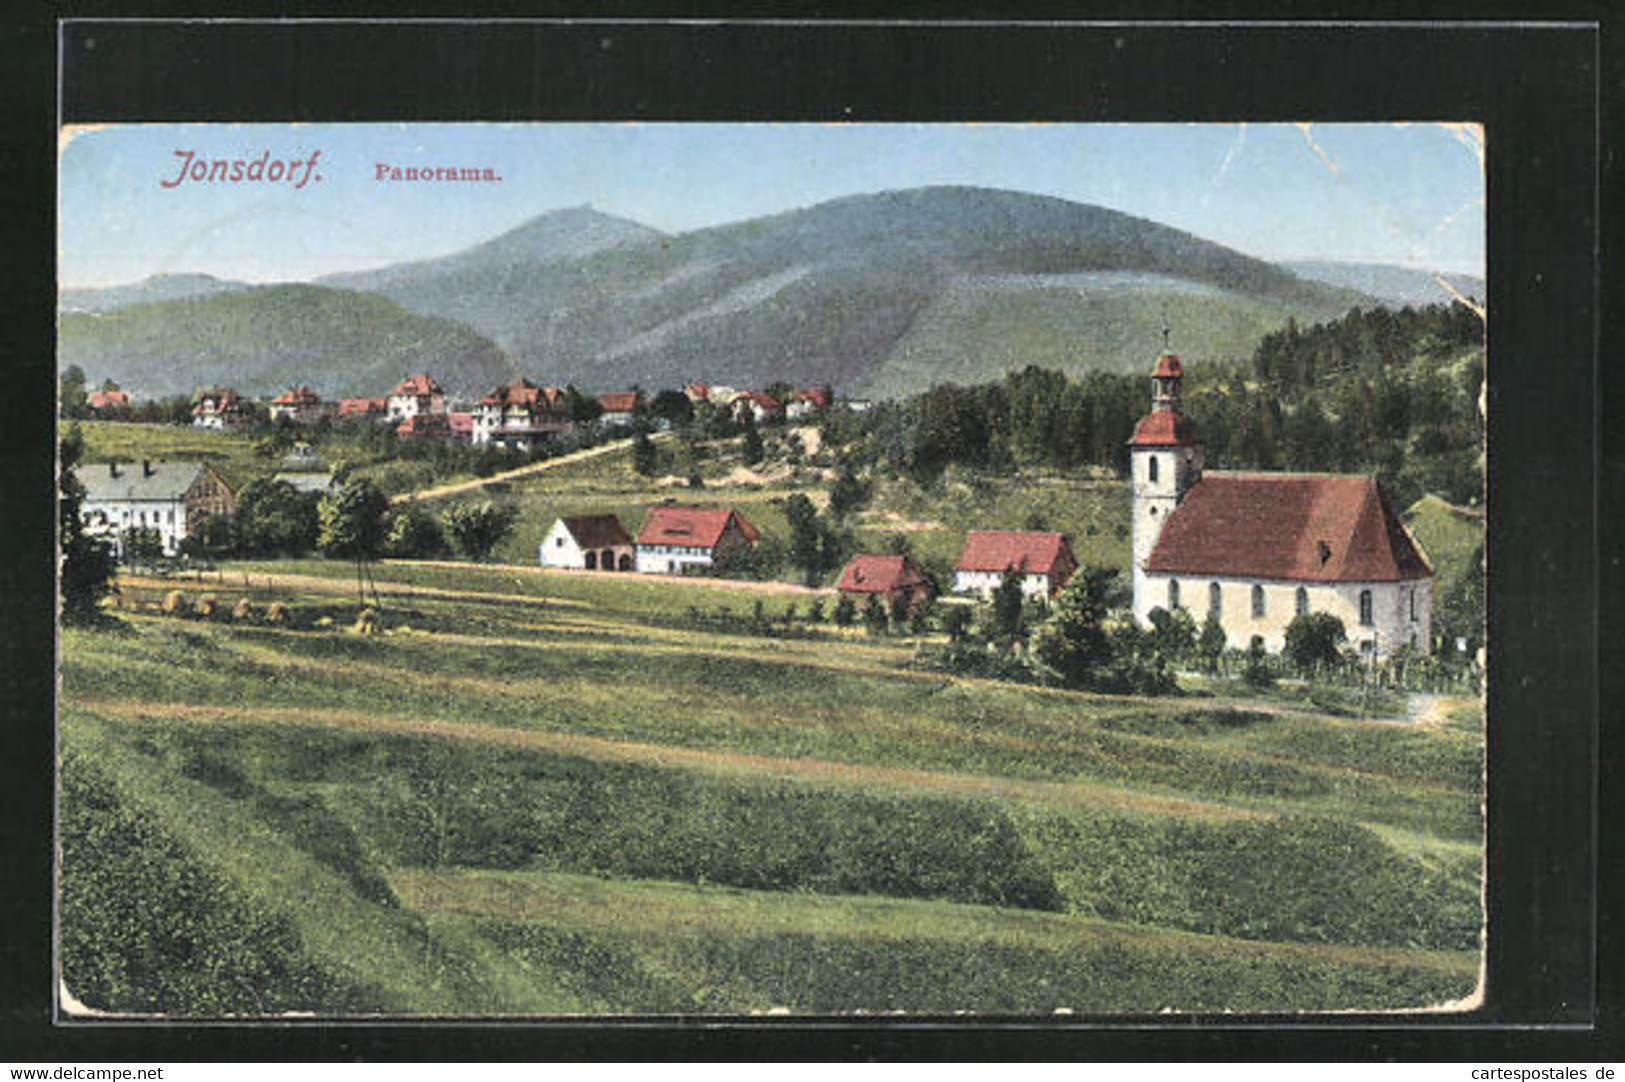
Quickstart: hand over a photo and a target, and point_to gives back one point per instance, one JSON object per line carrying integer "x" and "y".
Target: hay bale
{"x": 276, "y": 613}
{"x": 174, "y": 602}
{"x": 243, "y": 610}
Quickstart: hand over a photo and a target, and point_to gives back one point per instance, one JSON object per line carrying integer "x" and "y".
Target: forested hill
{"x": 265, "y": 339}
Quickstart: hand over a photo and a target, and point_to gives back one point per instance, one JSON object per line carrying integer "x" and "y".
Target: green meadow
{"x": 529, "y": 794}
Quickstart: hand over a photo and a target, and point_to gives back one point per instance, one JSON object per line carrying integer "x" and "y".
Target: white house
{"x": 674, "y": 539}
{"x": 1044, "y": 561}
{"x": 169, "y": 497}
{"x": 221, "y": 408}
{"x": 416, "y": 396}
{"x": 804, "y": 404}
{"x": 1259, "y": 549}
{"x": 619, "y": 408}
{"x": 297, "y": 404}
{"x": 589, "y": 543}
{"x": 521, "y": 415}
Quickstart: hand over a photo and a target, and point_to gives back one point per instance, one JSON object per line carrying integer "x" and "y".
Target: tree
{"x": 1256, "y": 672}
{"x": 1210, "y": 645}
{"x": 274, "y": 518}
{"x": 1008, "y": 607}
{"x": 845, "y": 612}
{"x": 806, "y": 550}
{"x": 1313, "y": 640}
{"x": 672, "y": 406}
{"x": 476, "y": 528}
{"x": 143, "y": 546}
{"x": 410, "y": 531}
{"x": 645, "y": 456}
{"x": 847, "y": 494}
{"x": 956, "y": 622}
{"x": 87, "y": 562}
{"x": 1073, "y": 642}
{"x": 71, "y": 397}
{"x": 351, "y": 526}
{"x": 1173, "y": 634}
{"x": 580, "y": 408}
{"x": 753, "y": 439}
{"x": 874, "y": 615}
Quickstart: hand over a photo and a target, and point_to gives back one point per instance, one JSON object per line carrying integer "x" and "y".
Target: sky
{"x": 1411, "y": 195}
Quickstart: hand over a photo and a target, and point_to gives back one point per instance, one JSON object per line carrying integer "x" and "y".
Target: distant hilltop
{"x": 878, "y": 295}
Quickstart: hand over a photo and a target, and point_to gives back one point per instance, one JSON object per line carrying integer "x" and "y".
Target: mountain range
{"x": 878, "y": 294}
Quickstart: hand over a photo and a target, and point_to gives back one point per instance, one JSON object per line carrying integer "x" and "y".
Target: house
{"x": 363, "y": 409}
{"x": 221, "y": 408}
{"x": 698, "y": 393}
{"x": 460, "y": 424}
{"x": 424, "y": 426}
{"x": 762, "y": 407}
{"x": 1256, "y": 550}
{"x": 588, "y": 542}
{"x": 676, "y": 538}
{"x": 101, "y": 401}
{"x": 170, "y": 497}
{"x": 804, "y": 404}
{"x": 414, "y": 396}
{"x": 893, "y": 579}
{"x": 521, "y": 415}
{"x": 296, "y": 404}
{"x": 619, "y": 408}
{"x": 1044, "y": 562}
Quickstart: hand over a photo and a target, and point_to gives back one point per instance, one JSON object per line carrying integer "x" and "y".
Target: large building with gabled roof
{"x": 1260, "y": 549}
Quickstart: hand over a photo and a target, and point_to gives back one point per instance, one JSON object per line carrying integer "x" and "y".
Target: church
{"x": 1259, "y": 549}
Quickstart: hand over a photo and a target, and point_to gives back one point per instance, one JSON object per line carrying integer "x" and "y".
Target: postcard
{"x": 615, "y": 570}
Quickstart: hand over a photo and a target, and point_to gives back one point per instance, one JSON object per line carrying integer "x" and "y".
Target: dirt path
{"x": 593, "y": 747}
{"x": 460, "y": 487}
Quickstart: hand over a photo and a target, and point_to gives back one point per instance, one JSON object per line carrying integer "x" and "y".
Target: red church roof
{"x": 1014, "y": 550}
{"x": 1164, "y": 428}
{"x": 880, "y": 574}
{"x": 700, "y": 527}
{"x": 1308, "y": 527}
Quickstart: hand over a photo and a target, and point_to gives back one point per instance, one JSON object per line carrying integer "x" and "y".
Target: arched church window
{"x": 1173, "y": 595}
{"x": 1303, "y": 601}
{"x": 1215, "y": 599}
{"x": 1365, "y": 608}
{"x": 1151, "y": 469}
{"x": 1258, "y": 602}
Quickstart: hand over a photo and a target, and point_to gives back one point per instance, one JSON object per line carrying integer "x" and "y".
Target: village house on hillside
{"x": 1044, "y": 562}
{"x": 363, "y": 409}
{"x": 619, "y": 408}
{"x": 169, "y": 497}
{"x": 101, "y": 401}
{"x": 589, "y": 543}
{"x": 761, "y": 407}
{"x": 1259, "y": 549}
{"x": 297, "y": 404}
{"x": 674, "y": 539}
{"x": 804, "y": 404}
{"x": 520, "y": 415}
{"x": 222, "y": 408}
{"x": 415, "y": 396}
{"x": 893, "y": 579}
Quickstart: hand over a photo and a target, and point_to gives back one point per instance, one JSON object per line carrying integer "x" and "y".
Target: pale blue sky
{"x": 1404, "y": 194}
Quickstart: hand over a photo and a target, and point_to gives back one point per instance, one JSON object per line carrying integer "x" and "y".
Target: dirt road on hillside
{"x": 457, "y": 489}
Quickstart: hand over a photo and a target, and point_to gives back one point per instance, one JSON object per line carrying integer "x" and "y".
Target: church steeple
{"x": 1165, "y": 460}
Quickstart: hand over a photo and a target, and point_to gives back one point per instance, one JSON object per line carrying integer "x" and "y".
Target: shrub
{"x": 1313, "y": 640}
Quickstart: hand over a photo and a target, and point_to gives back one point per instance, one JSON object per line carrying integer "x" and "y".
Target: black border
{"x": 1535, "y": 86}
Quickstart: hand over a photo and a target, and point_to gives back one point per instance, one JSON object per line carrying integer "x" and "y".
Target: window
{"x": 1258, "y": 602}
{"x": 1173, "y": 595}
{"x": 558, "y": 542}
{"x": 1413, "y": 605}
{"x": 1151, "y": 469}
{"x": 1215, "y": 599}
{"x": 1302, "y": 601}
{"x": 1365, "y": 608}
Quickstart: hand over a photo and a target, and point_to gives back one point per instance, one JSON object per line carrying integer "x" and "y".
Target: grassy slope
{"x": 1110, "y": 808}
{"x": 231, "y": 455}
{"x": 1449, "y": 536}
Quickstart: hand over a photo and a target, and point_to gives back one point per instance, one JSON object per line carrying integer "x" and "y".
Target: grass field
{"x": 539, "y": 794}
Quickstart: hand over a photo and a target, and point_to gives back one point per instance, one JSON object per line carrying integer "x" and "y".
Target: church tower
{"x": 1165, "y": 460}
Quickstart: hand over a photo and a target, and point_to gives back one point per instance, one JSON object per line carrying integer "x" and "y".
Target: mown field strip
{"x": 336, "y": 585}
{"x": 678, "y": 909}
{"x": 665, "y": 755}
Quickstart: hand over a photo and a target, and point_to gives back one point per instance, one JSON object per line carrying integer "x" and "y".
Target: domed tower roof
{"x": 1168, "y": 367}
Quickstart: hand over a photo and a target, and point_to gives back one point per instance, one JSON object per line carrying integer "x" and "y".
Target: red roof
{"x": 1164, "y": 428}
{"x": 880, "y": 574}
{"x": 619, "y": 401}
{"x": 698, "y": 392}
{"x": 815, "y": 397}
{"x": 297, "y": 396}
{"x": 522, "y": 392}
{"x": 1014, "y": 550}
{"x": 1309, "y": 527}
{"x": 424, "y": 424}
{"x": 417, "y": 385}
{"x": 362, "y": 405}
{"x": 102, "y": 399}
{"x": 700, "y": 527}
{"x": 1168, "y": 367}
{"x": 597, "y": 531}
{"x": 767, "y": 402}
{"x": 218, "y": 401}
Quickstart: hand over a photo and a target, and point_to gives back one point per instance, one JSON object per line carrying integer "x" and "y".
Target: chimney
{"x": 146, "y": 468}
{"x": 112, "y": 469}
